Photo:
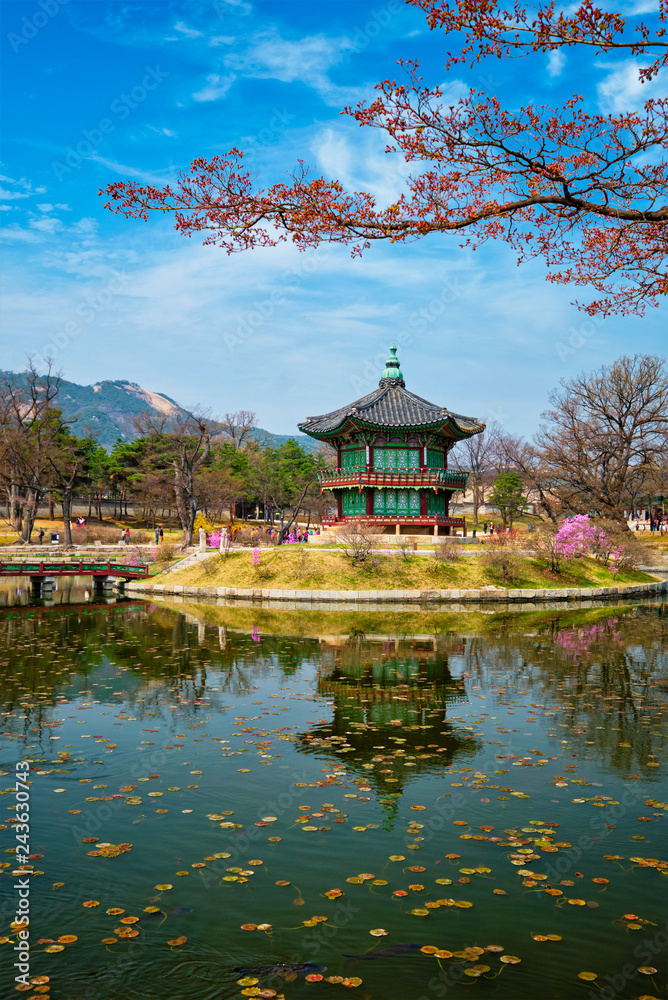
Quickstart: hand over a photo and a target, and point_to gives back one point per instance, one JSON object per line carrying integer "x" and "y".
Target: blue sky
{"x": 96, "y": 92}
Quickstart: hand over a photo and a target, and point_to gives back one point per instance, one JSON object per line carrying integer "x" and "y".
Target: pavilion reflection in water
{"x": 389, "y": 713}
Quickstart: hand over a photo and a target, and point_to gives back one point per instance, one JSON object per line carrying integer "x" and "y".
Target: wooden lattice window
{"x": 354, "y": 459}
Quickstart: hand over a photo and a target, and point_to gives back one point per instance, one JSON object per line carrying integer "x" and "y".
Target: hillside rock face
{"x": 107, "y": 411}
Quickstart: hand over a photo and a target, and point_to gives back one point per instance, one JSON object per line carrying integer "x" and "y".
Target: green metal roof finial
{"x": 392, "y": 371}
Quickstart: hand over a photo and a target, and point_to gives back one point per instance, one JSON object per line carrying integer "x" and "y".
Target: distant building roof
{"x": 392, "y": 405}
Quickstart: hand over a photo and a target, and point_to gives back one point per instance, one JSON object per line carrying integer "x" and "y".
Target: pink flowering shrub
{"x": 214, "y": 539}
{"x": 608, "y": 543}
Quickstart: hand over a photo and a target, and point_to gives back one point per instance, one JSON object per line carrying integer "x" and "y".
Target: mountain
{"x": 107, "y": 411}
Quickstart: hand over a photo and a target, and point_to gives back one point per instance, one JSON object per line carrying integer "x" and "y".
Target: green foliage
{"x": 508, "y": 495}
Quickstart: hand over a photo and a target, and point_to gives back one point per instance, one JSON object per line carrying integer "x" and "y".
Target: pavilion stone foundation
{"x": 392, "y": 459}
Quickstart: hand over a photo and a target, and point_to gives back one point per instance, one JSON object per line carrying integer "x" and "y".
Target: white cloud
{"x": 47, "y": 224}
{"x": 216, "y": 87}
{"x": 12, "y": 195}
{"x": 622, "y": 91}
{"x": 556, "y": 61}
{"x": 163, "y": 131}
{"x": 359, "y": 161}
{"x": 127, "y": 171}
{"x": 216, "y": 40}
{"x": 306, "y": 60}
{"x": 187, "y": 32}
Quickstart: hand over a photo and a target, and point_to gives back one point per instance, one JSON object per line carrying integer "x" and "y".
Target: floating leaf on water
{"x": 90, "y": 903}
{"x": 647, "y": 970}
{"x": 281, "y": 882}
{"x": 420, "y": 913}
{"x": 510, "y": 959}
{"x": 53, "y": 948}
{"x": 114, "y": 911}
{"x": 163, "y": 887}
{"x": 313, "y": 977}
{"x": 588, "y": 976}
{"x": 248, "y": 981}
{"x": 68, "y": 938}
{"x": 429, "y": 949}
{"x": 175, "y": 942}
{"x": 577, "y": 902}
{"x": 378, "y": 932}
{"x": 397, "y": 857}
{"x": 442, "y": 953}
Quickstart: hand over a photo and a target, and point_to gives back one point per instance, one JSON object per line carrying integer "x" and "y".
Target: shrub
{"x": 165, "y": 553}
{"x": 607, "y": 541}
{"x": 448, "y": 551}
{"x": 545, "y": 546}
{"x": 502, "y": 558}
{"x": 358, "y": 538}
{"x": 202, "y": 521}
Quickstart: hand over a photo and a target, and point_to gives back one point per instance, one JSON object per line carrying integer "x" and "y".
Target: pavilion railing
{"x": 393, "y": 479}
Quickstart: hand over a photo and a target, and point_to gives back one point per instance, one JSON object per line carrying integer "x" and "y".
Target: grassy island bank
{"x": 312, "y": 570}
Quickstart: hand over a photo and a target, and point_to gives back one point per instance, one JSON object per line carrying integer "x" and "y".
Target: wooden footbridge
{"x": 43, "y": 573}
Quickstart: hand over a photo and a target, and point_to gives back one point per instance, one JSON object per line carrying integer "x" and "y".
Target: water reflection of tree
{"x": 167, "y": 663}
{"x": 605, "y": 677}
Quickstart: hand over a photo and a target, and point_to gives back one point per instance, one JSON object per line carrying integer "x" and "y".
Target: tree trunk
{"x": 476, "y": 500}
{"x": 99, "y": 505}
{"x": 30, "y": 513}
{"x": 67, "y": 517}
{"x": 15, "y": 512}
{"x": 295, "y": 514}
{"x": 90, "y": 504}
{"x": 52, "y": 513}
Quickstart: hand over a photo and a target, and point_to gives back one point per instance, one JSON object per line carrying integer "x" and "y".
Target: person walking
{"x": 40, "y": 535}
{"x": 157, "y": 535}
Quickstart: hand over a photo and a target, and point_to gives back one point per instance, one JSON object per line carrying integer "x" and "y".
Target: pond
{"x": 406, "y": 805}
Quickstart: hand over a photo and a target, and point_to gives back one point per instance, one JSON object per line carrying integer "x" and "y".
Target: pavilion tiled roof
{"x": 392, "y": 405}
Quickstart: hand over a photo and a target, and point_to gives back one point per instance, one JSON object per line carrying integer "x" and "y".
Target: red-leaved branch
{"x": 586, "y": 193}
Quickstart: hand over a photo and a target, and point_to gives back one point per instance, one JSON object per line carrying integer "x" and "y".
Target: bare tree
{"x": 526, "y": 459}
{"x": 358, "y": 538}
{"x": 185, "y": 442}
{"x": 603, "y": 432}
{"x": 475, "y": 456}
{"x": 237, "y": 426}
{"x": 26, "y": 437}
